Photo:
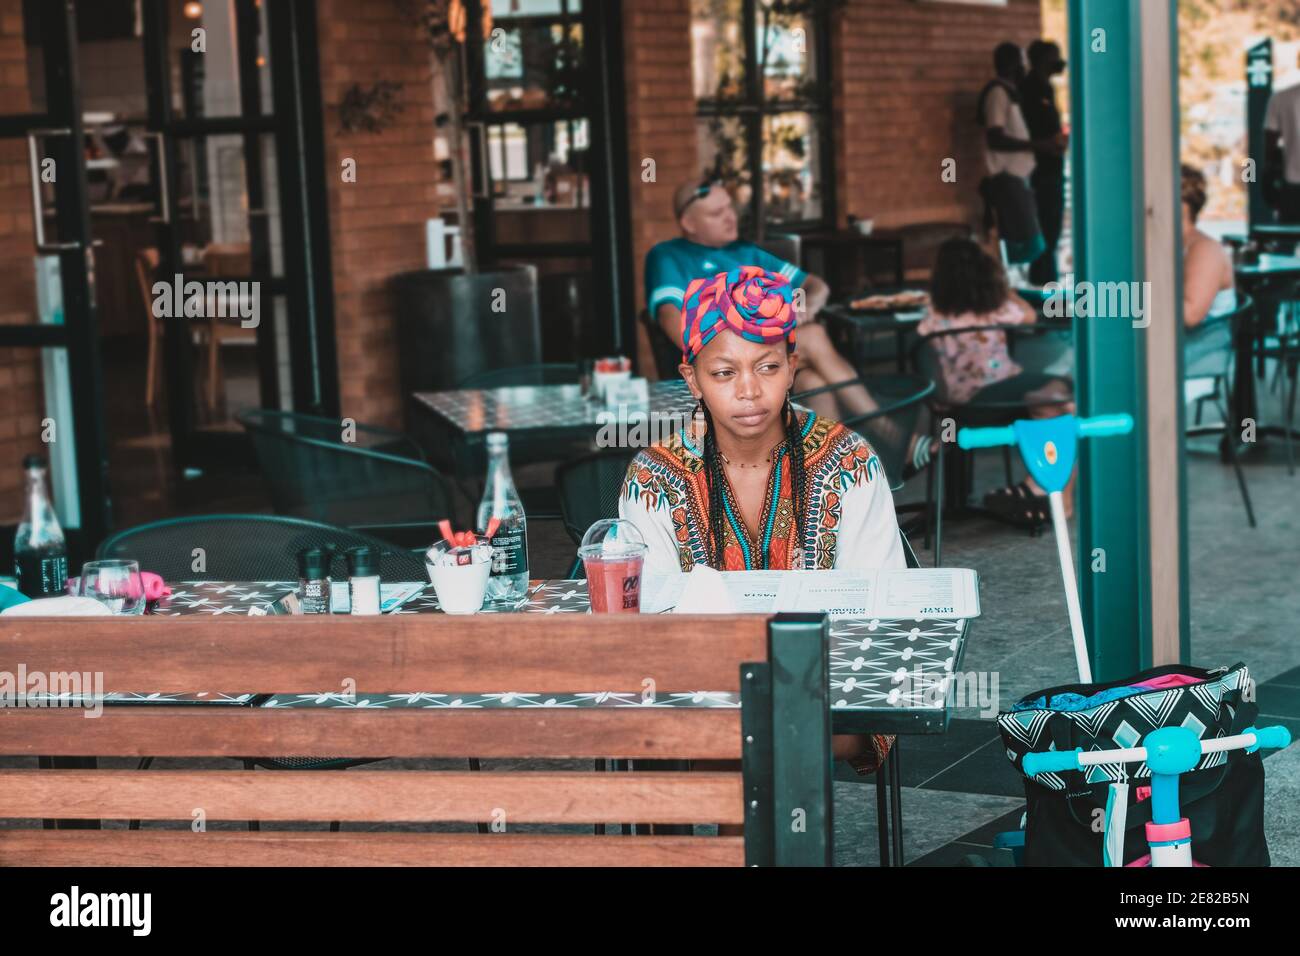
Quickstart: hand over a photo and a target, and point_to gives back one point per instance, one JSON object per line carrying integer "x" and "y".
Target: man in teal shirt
{"x": 710, "y": 244}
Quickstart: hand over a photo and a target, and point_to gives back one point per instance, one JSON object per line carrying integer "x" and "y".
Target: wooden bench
{"x": 781, "y": 734}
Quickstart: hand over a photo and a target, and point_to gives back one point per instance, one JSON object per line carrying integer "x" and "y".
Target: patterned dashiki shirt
{"x": 666, "y": 494}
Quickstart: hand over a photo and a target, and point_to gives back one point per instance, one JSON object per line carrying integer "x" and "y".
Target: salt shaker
{"x": 363, "y": 580}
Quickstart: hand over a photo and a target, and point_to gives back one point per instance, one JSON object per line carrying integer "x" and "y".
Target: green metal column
{"x": 1110, "y": 239}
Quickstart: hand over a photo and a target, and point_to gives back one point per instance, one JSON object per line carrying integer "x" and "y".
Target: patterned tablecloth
{"x": 547, "y": 408}
{"x": 886, "y": 676}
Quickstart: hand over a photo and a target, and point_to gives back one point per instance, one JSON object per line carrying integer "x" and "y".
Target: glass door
{"x": 50, "y": 384}
{"x": 224, "y": 97}
{"x": 538, "y": 101}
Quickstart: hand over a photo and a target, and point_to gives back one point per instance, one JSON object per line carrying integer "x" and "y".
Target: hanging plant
{"x": 370, "y": 109}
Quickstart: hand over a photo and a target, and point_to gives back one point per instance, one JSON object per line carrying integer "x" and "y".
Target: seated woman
{"x": 751, "y": 483}
{"x": 969, "y": 290}
{"x": 1208, "y": 280}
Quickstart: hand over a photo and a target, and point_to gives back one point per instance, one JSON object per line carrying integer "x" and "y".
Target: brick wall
{"x": 21, "y": 397}
{"x": 377, "y": 222}
{"x": 906, "y": 79}
{"x": 660, "y": 117}
{"x": 660, "y": 126}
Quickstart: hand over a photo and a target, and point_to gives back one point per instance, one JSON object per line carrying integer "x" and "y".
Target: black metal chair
{"x": 1208, "y": 359}
{"x": 589, "y": 490}
{"x": 975, "y": 414}
{"x": 249, "y": 548}
{"x": 1282, "y": 344}
{"x": 667, "y": 354}
{"x": 235, "y": 547}
{"x": 889, "y": 429}
{"x": 358, "y": 476}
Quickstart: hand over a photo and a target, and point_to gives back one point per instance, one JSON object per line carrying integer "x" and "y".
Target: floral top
{"x": 849, "y": 511}
{"x": 968, "y": 363}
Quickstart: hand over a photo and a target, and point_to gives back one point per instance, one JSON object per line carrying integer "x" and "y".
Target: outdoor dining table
{"x": 1274, "y": 234}
{"x": 886, "y": 676}
{"x": 544, "y": 418}
{"x": 857, "y": 324}
{"x": 544, "y": 411}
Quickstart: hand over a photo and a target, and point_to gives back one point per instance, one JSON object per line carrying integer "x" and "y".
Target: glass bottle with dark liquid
{"x": 40, "y": 551}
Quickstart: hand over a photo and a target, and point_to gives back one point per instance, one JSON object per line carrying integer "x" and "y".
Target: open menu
{"x": 903, "y": 593}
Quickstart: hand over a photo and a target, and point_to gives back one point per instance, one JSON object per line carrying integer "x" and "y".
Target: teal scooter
{"x": 1049, "y": 447}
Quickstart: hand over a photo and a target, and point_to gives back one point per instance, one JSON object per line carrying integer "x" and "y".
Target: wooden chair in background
{"x": 223, "y": 260}
{"x": 146, "y": 267}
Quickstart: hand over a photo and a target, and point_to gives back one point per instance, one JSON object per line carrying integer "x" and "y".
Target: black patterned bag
{"x": 1223, "y": 797}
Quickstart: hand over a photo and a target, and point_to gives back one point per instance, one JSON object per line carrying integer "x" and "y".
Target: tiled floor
{"x": 1243, "y": 608}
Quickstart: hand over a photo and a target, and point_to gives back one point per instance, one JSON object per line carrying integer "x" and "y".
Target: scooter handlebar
{"x": 1276, "y": 737}
{"x": 986, "y": 437}
{"x": 1099, "y": 425}
{"x": 1050, "y": 762}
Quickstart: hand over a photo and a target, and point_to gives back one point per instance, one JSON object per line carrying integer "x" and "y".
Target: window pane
{"x": 504, "y": 9}
{"x": 787, "y": 50}
{"x": 718, "y": 49}
{"x": 792, "y": 167}
{"x": 207, "y": 82}
{"x": 534, "y": 65}
{"x": 539, "y": 164}
{"x": 720, "y": 148}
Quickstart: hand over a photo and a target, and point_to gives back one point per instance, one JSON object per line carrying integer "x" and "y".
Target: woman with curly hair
{"x": 969, "y": 290}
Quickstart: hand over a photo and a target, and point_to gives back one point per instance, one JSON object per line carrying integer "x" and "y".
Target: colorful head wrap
{"x": 750, "y": 301}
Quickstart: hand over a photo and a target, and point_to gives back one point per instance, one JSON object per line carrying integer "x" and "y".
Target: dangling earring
{"x": 698, "y": 422}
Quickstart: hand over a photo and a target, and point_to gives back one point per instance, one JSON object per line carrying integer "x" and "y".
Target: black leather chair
{"x": 452, "y": 325}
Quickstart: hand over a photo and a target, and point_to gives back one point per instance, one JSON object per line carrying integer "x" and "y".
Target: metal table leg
{"x": 882, "y": 815}
{"x": 896, "y": 801}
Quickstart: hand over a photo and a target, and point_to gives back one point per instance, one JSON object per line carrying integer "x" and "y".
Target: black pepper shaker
{"x": 313, "y": 581}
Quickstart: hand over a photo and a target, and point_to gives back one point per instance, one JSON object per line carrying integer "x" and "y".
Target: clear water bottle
{"x": 508, "y": 584}
{"x": 40, "y": 551}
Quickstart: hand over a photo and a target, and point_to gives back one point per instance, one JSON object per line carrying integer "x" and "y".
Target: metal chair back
{"x": 234, "y": 547}
{"x": 344, "y": 473}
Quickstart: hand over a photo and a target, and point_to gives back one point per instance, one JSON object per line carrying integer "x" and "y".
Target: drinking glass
{"x": 116, "y": 584}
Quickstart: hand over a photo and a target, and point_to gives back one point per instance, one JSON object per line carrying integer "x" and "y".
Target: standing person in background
{"x": 1009, "y": 158}
{"x": 1282, "y": 153}
{"x": 1038, "y": 105}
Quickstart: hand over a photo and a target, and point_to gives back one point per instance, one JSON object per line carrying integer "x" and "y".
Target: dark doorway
{"x": 543, "y": 78}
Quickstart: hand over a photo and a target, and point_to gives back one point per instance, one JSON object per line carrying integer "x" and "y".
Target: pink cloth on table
{"x": 155, "y": 588}
{"x": 1165, "y": 681}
